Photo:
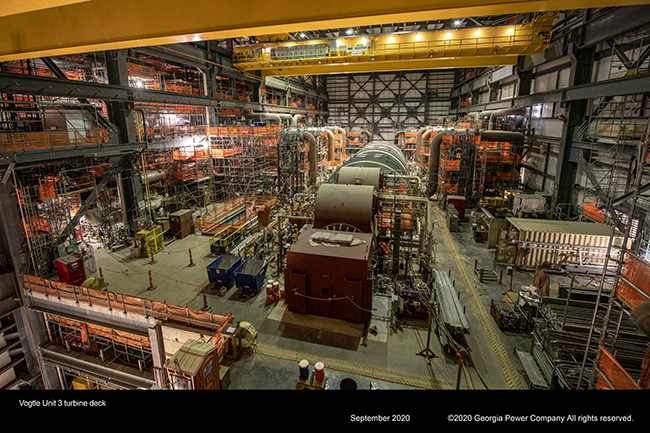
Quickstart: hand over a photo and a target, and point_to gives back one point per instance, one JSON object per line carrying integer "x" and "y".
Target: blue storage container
{"x": 250, "y": 275}
{"x": 221, "y": 271}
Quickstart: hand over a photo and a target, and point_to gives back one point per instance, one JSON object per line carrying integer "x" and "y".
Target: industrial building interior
{"x": 383, "y": 197}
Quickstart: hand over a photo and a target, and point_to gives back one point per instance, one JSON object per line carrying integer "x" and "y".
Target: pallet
{"x": 311, "y": 383}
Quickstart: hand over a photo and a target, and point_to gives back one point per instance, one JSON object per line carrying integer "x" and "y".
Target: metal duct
{"x": 312, "y": 156}
{"x": 360, "y": 176}
{"x": 514, "y": 111}
{"x": 350, "y": 204}
{"x": 434, "y": 160}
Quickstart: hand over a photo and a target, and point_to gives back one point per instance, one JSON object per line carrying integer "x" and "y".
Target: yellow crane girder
{"x": 97, "y": 25}
{"x": 468, "y": 47}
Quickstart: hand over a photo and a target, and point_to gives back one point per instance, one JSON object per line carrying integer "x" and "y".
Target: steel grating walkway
{"x": 360, "y": 369}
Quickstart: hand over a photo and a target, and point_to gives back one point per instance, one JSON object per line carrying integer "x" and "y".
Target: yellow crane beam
{"x": 114, "y": 24}
{"x": 365, "y": 65}
{"x": 470, "y": 47}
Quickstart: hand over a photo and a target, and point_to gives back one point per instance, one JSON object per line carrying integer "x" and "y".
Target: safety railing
{"x": 126, "y": 304}
{"x": 50, "y": 140}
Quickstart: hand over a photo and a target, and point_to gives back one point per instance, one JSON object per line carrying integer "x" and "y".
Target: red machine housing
{"x": 459, "y": 203}
{"x": 71, "y": 269}
{"x": 330, "y": 281}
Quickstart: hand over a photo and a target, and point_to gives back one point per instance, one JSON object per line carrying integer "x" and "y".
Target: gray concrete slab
{"x": 391, "y": 349}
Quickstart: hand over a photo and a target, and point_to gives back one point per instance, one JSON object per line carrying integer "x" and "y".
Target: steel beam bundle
{"x": 450, "y": 311}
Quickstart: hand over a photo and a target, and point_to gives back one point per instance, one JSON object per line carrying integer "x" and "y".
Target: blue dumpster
{"x": 221, "y": 271}
{"x": 250, "y": 275}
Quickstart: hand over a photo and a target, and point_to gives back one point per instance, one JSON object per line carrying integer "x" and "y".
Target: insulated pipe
{"x": 295, "y": 119}
{"x": 330, "y": 145}
{"x": 434, "y": 160}
{"x": 369, "y": 135}
{"x": 264, "y": 116}
{"x": 418, "y": 143}
{"x": 516, "y": 111}
{"x": 312, "y": 156}
{"x": 423, "y": 139}
{"x": 497, "y": 135}
{"x": 286, "y": 117}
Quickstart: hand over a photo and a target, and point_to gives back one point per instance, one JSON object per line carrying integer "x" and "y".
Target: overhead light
{"x": 391, "y": 40}
{"x": 447, "y": 35}
{"x": 511, "y": 31}
{"x": 457, "y": 22}
{"x": 349, "y": 31}
{"x": 302, "y": 35}
{"x": 363, "y": 41}
{"x": 418, "y": 36}
{"x": 478, "y": 32}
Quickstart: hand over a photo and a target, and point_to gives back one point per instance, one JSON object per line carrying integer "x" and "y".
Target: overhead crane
{"x": 118, "y": 24}
{"x": 467, "y": 47}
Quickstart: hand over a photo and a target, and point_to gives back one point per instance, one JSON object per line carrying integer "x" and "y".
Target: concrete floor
{"x": 388, "y": 360}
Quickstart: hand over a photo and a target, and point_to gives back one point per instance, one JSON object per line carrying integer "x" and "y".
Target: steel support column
{"x": 582, "y": 62}
{"x": 121, "y": 114}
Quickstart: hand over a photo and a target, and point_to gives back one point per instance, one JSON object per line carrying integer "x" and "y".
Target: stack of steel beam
{"x": 450, "y": 311}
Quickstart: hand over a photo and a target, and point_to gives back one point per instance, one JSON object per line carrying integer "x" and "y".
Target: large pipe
{"x": 264, "y": 116}
{"x": 418, "y": 143}
{"x": 434, "y": 160}
{"x": 295, "y": 119}
{"x": 312, "y": 156}
{"x": 330, "y": 145}
{"x": 498, "y": 135}
{"x": 514, "y": 111}
{"x": 369, "y": 135}
{"x": 425, "y": 138}
{"x": 286, "y": 118}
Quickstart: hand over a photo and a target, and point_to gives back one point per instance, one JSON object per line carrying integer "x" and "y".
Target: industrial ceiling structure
{"x": 350, "y": 161}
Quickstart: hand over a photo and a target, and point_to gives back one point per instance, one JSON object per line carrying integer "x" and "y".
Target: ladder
{"x": 481, "y": 168}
